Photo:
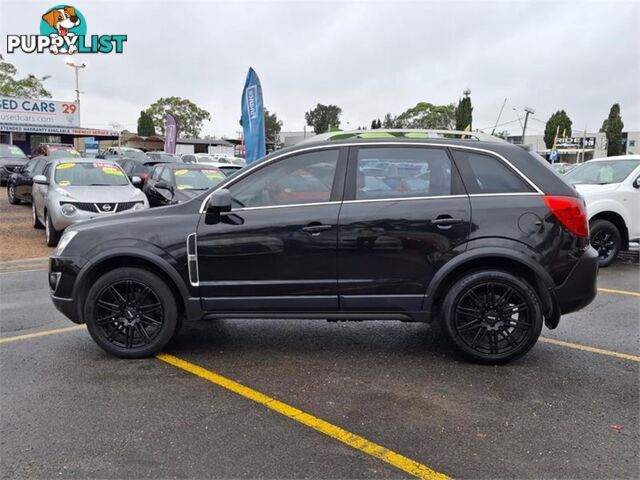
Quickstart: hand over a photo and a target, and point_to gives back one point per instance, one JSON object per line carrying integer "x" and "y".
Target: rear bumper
{"x": 580, "y": 287}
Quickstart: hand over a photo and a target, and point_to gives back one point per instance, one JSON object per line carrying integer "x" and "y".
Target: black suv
{"x": 478, "y": 235}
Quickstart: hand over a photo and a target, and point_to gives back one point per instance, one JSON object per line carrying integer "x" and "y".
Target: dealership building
{"x": 28, "y": 122}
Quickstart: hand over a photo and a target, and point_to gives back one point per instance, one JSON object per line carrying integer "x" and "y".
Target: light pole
{"x": 529, "y": 111}
{"x": 77, "y": 67}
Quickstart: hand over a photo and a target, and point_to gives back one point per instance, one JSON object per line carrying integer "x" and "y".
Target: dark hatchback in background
{"x": 474, "y": 233}
{"x": 171, "y": 183}
{"x": 12, "y": 158}
{"x": 20, "y": 182}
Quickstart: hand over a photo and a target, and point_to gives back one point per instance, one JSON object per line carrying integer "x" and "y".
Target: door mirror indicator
{"x": 219, "y": 201}
{"x": 40, "y": 180}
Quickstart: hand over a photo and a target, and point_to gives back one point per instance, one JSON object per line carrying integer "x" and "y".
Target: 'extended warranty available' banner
{"x": 63, "y": 29}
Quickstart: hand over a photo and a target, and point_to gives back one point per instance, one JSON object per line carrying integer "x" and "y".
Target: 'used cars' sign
{"x": 38, "y": 112}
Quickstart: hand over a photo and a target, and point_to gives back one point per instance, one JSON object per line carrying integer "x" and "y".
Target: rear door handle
{"x": 446, "y": 221}
{"x": 315, "y": 228}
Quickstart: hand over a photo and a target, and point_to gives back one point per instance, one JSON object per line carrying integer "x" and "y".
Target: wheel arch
{"x": 111, "y": 260}
{"x": 491, "y": 258}
{"x": 618, "y": 221}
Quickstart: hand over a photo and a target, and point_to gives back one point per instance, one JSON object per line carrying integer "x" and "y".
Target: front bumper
{"x": 580, "y": 287}
{"x": 63, "y": 272}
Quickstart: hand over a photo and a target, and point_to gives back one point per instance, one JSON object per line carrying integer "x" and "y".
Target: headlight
{"x": 138, "y": 206}
{"x": 64, "y": 241}
{"x": 68, "y": 209}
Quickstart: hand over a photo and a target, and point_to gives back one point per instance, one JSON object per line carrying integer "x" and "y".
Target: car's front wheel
{"x": 606, "y": 239}
{"x": 11, "y": 194}
{"x": 131, "y": 313}
{"x": 35, "y": 221}
{"x": 53, "y": 235}
{"x": 492, "y": 317}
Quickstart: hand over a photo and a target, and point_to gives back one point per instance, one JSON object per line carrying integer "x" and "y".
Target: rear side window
{"x": 487, "y": 174}
{"x": 401, "y": 172}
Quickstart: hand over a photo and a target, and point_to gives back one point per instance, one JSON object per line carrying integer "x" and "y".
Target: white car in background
{"x": 611, "y": 189}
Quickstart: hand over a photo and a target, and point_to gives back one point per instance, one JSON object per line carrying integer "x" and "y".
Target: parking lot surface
{"x": 70, "y": 411}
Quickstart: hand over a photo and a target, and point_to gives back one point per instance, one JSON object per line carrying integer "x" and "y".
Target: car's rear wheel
{"x": 606, "y": 239}
{"x": 492, "y": 317}
{"x": 131, "y": 313}
{"x": 34, "y": 217}
{"x": 53, "y": 235}
{"x": 11, "y": 194}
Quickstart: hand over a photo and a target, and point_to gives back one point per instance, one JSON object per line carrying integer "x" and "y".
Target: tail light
{"x": 571, "y": 212}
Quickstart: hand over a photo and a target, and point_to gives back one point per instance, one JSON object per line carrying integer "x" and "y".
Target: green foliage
{"x": 323, "y": 117}
{"x": 464, "y": 111}
{"x": 388, "y": 121}
{"x": 612, "y": 127}
{"x": 189, "y": 116}
{"x": 10, "y": 86}
{"x": 426, "y": 115}
{"x": 558, "y": 119}
{"x": 272, "y": 127}
{"x": 145, "y": 125}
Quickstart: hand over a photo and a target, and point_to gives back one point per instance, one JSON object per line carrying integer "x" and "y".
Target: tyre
{"x": 131, "y": 313}
{"x": 606, "y": 239}
{"x": 53, "y": 235}
{"x": 492, "y": 317}
{"x": 34, "y": 217}
{"x": 11, "y": 194}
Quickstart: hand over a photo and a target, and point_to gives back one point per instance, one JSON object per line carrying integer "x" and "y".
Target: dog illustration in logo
{"x": 62, "y": 20}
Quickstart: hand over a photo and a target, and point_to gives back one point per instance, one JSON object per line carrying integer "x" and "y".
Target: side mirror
{"x": 40, "y": 180}
{"x": 636, "y": 182}
{"x": 164, "y": 186}
{"x": 219, "y": 201}
{"x": 136, "y": 180}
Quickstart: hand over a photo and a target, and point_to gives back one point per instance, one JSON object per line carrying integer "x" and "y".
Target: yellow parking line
{"x": 586, "y": 348}
{"x": 619, "y": 292}
{"x": 355, "y": 441}
{"x": 40, "y": 334}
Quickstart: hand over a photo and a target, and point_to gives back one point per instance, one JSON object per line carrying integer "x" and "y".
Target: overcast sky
{"x": 367, "y": 57}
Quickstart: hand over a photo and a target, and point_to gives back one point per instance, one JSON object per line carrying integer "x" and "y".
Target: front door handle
{"x": 446, "y": 221}
{"x": 315, "y": 228}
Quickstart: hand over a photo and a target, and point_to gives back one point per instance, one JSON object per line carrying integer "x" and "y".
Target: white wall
{"x": 180, "y": 148}
{"x": 221, "y": 149}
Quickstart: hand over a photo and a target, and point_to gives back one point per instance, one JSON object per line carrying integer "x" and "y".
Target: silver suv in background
{"x": 71, "y": 190}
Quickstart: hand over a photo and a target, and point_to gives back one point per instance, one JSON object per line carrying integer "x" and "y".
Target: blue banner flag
{"x": 170, "y": 133}
{"x": 253, "y": 118}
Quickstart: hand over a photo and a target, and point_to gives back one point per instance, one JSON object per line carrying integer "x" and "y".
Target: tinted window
{"x": 30, "y": 166}
{"x": 305, "y": 178}
{"x": 487, "y": 174}
{"x": 137, "y": 167}
{"x": 164, "y": 175}
{"x": 403, "y": 172}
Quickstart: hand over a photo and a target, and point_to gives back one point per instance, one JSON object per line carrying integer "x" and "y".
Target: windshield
{"x": 55, "y": 152}
{"x": 601, "y": 172}
{"x": 197, "y": 179}
{"x": 89, "y": 175}
{"x": 137, "y": 154}
{"x": 165, "y": 157}
{"x": 228, "y": 171}
{"x": 11, "y": 151}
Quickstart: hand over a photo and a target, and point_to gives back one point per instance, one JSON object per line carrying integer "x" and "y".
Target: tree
{"x": 389, "y": 121}
{"x": 559, "y": 119}
{"x": 145, "y": 125}
{"x": 426, "y": 115}
{"x": 464, "y": 111}
{"x": 323, "y": 117}
{"x": 189, "y": 116}
{"x": 29, "y": 87}
{"x": 272, "y": 127}
{"x": 612, "y": 127}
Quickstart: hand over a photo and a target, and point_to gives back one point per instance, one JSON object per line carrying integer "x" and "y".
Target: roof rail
{"x": 403, "y": 133}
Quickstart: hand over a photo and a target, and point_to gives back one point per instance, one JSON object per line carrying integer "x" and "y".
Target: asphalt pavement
{"x": 70, "y": 411}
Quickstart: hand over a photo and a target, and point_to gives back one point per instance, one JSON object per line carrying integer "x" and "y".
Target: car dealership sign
{"x": 44, "y": 112}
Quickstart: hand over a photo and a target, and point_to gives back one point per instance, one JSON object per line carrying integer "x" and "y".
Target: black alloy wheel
{"x": 605, "y": 238}
{"x": 131, "y": 313}
{"x": 492, "y": 316}
{"x": 11, "y": 194}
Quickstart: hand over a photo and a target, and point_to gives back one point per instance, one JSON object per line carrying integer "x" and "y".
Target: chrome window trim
{"x": 398, "y": 199}
{"x": 191, "y": 257}
{"x": 266, "y": 207}
{"x": 249, "y": 169}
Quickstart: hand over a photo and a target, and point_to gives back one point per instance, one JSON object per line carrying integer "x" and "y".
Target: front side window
{"x": 304, "y": 178}
{"x": 601, "y": 172}
{"x": 89, "y": 174}
{"x": 165, "y": 175}
{"x": 385, "y": 172}
{"x": 486, "y": 174}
